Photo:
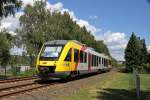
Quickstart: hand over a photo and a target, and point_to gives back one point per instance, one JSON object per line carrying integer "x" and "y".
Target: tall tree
{"x": 4, "y": 50}
{"x": 144, "y": 52}
{"x": 132, "y": 53}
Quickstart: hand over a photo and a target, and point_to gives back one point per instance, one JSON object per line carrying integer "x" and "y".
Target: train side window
{"x": 94, "y": 60}
{"x": 85, "y": 57}
{"x": 68, "y": 57}
{"x": 99, "y": 60}
{"x": 81, "y": 56}
{"x": 76, "y": 55}
{"x": 102, "y": 61}
{"x": 106, "y": 63}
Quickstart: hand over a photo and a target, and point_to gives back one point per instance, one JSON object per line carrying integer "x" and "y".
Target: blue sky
{"x": 112, "y": 21}
{"x": 116, "y": 15}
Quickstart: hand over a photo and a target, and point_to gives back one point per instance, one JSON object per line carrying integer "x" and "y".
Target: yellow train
{"x": 66, "y": 58}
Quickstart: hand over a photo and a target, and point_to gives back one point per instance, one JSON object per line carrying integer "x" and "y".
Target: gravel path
{"x": 62, "y": 89}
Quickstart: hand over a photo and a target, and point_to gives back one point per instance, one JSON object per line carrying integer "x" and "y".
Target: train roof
{"x": 62, "y": 42}
{"x": 56, "y": 42}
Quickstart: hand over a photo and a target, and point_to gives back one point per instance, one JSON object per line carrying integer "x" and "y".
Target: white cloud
{"x": 54, "y": 7}
{"x": 89, "y": 27}
{"x": 116, "y": 42}
{"x": 11, "y": 22}
{"x": 26, "y": 2}
{"x": 16, "y": 51}
{"x": 29, "y": 2}
{"x": 148, "y": 47}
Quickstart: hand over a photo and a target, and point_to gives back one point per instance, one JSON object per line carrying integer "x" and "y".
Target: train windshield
{"x": 51, "y": 52}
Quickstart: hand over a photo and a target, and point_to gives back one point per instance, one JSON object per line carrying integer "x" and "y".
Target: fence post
{"x": 136, "y": 79}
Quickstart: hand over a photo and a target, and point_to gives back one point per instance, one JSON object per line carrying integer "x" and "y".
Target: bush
{"x": 145, "y": 68}
{"x": 122, "y": 70}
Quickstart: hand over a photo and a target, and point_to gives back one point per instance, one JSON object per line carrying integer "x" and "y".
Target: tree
{"x": 33, "y": 34}
{"x": 4, "y": 50}
{"x": 132, "y": 53}
{"x": 144, "y": 52}
{"x": 7, "y": 7}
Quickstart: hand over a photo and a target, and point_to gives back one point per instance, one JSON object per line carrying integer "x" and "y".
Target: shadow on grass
{"x": 121, "y": 94}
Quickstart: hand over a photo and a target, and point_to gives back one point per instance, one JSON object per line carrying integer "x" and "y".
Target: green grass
{"x": 27, "y": 73}
{"x": 115, "y": 86}
{"x": 145, "y": 82}
{"x": 145, "y": 86}
{"x": 12, "y": 74}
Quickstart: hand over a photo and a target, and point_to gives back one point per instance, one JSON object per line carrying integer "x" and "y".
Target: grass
{"x": 10, "y": 74}
{"x": 27, "y": 73}
{"x": 115, "y": 86}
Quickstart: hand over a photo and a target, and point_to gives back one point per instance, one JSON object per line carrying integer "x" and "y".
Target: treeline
{"x": 39, "y": 25}
{"x": 136, "y": 54}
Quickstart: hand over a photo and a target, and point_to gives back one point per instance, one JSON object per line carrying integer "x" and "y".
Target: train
{"x": 69, "y": 58}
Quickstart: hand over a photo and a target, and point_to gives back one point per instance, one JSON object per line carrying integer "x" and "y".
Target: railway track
{"x": 9, "y": 91}
{"x": 18, "y": 79}
{"x": 20, "y": 85}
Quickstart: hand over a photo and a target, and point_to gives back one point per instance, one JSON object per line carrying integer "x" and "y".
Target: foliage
{"x": 40, "y": 25}
{"x": 114, "y": 62}
{"x": 136, "y": 54}
{"x": 4, "y": 50}
{"x": 7, "y": 7}
{"x": 27, "y": 73}
{"x": 132, "y": 53}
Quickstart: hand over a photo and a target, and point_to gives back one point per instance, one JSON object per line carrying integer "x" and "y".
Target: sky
{"x": 112, "y": 21}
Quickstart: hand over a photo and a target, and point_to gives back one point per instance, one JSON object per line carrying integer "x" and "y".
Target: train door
{"x": 89, "y": 62}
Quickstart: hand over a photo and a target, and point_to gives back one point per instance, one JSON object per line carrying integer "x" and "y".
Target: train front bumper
{"x": 58, "y": 75}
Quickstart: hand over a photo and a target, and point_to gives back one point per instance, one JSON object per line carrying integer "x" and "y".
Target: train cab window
{"x": 81, "y": 56}
{"x": 68, "y": 57}
{"x": 85, "y": 57}
{"x": 76, "y": 55}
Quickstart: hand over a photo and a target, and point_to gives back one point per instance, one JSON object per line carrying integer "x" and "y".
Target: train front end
{"x": 49, "y": 64}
